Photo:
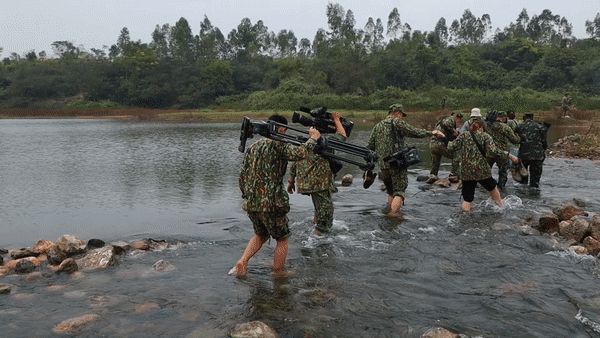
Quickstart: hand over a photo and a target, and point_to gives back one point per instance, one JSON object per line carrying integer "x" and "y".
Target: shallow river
{"x": 477, "y": 274}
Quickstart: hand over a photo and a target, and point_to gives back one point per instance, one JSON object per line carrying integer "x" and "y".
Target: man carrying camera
{"x": 387, "y": 138}
{"x": 439, "y": 146}
{"x": 314, "y": 177}
{"x": 265, "y": 198}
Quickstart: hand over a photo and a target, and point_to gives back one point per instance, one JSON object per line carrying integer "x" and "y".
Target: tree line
{"x": 525, "y": 65}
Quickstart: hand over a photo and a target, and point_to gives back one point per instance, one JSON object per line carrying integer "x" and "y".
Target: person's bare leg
{"x": 254, "y": 244}
{"x": 280, "y": 255}
{"x": 395, "y": 206}
{"x": 466, "y": 206}
{"x": 495, "y": 195}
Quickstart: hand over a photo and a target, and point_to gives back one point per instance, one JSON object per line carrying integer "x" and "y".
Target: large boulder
{"x": 347, "y": 180}
{"x": 576, "y": 229}
{"x": 73, "y": 325}
{"x": 56, "y": 256}
{"x": 592, "y": 245}
{"x": 442, "y": 182}
{"x": 255, "y": 329}
{"x": 5, "y": 289}
{"x": 67, "y": 266}
{"x": 140, "y": 245}
{"x": 163, "y": 266}
{"x": 22, "y": 253}
{"x": 42, "y": 246}
{"x": 120, "y": 247}
{"x": 157, "y": 244}
{"x": 595, "y": 227}
{"x": 70, "y": 245}
{"x": 94, "y": 243}
{"x": 100, "y": 258}
{"x": 24, "y": 266}
{"x": 548, "y": 223}
{"x": 439, "y": 332}
{"x": 579, "y": 249}
{"x": 568, "y": 211}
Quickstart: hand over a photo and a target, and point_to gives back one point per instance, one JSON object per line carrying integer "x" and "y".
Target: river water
{"x": 479, "y": 274}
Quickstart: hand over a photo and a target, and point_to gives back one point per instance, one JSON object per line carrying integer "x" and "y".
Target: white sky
{"x": 35, "y": 24}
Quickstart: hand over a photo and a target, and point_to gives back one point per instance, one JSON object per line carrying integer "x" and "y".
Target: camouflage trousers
{"x": 395, "y": 181}
{"x": 503, "y": 166}
{"x": 323, "y": 204}
{"x": 535, "y": 172}
{"x": 439, "y": 150}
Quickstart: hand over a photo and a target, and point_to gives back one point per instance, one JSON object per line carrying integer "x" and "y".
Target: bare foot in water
{"x": 239, "y": 270}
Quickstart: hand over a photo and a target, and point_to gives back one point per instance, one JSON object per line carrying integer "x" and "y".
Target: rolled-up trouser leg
{"x": 323, "y": 204}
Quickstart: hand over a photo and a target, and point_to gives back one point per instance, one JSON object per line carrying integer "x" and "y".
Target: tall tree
{"x": 592, "y": 27}
{"x": 123, "y": 41}
{"x": 181, "y": 41}
{"x": 470, "y": 29}
{"x": 160, "y": 41}
{"x": 549, "y": 28}
{"x": 335, "y": 20}
{"x": 394, "y": 25}
{"x": 211, "y": 42}
{"x": 286, "y": 43}
{"x": 304, "y": 48}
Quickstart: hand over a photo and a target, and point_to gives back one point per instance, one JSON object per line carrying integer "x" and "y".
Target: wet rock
{"x": 42, "y": 246}
{"x": 579, "y": 249}
{"x": 453, "y": 179}
{"x": 592, "y": 245}
{"x": 120, "y": 247}
{"x": 73, "y": 325}
{"x": 163, "y": 266}
{"x": 56, "y": 256}
{"x": 575, "y": 230}
{"x": 595, "y": 227}
{"x": 579, "y": 202}
{"x": 24, "y": 266}
{"x": 255, "y": 329}
{"x": 70, "y": 245}
{"x": 94, "y": 244}
{"x": 140, "y": 245}
{"x": 5, "y": 289}
{"x": 55, "y": 288}
{"x": 548, "y": 223}
{"x": 146, "y": 307}
{"x": 102, "y": 301}
{"x": 101, "y": 258}
{"x": 319, "y": 297}
{"x": 22, "y": 253}
{"x": 30, "y": 277}
{"x": 157, "y": 244}
{"x": 443, "y": 182}
{"x": 347, "y": 180}
{"x": 3, "y": 251}
{"x": 422, "y": 178}
{"x": 1, "y": 260}
{"x": 568, "y": 211}
{"x": 439, "y": 332}
{"x": 67, "y": 266}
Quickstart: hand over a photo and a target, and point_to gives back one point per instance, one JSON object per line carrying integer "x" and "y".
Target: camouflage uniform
{"x": 439, "y": 147}
{"x": 512, "y": 124}
{"x": 503, "y": 136}
{"x": 473, "y": 165}
{"x": 385, "y": 144}
{"x": 532, "y": 149}
{"x": 313, "y": 177}
{"x": 261, "y": 183}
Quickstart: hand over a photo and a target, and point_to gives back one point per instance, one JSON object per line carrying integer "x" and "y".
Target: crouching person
{"x": 264, "y": 196}
{"x": 472, "y": 148}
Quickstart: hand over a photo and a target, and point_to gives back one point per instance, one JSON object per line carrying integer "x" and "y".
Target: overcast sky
{"x": 35, "y": 24}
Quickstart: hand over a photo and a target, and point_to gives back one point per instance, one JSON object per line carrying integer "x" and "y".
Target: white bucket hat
{"x": 475, "y": 112}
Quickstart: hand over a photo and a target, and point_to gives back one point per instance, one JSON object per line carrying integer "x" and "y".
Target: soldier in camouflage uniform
{"x": 265, "y": 198}
{"x": 503, "y": 136}
{"x": 315, "y": 178}
{"x": 511, "y": 122}
{"x": 439, "y": 147}
{"x": 532, "y": 149}
{"x": 475, "y": 115}
{"x": 387, "y": 138}
{"x": 565, "y": 105}
{"x": 472, "y": 148}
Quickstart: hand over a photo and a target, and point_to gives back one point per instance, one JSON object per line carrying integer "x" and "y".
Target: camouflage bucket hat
{"x": 501, "y": 114}
{"x": 396, "y": 107}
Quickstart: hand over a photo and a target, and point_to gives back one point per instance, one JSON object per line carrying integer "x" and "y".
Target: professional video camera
{"x": 322, "y": 120}
{"x": 326, "y": 148}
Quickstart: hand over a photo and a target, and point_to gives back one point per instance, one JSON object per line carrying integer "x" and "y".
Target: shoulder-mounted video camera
{"x": 364, "y": 158}
{"x": 403, "y": 158}
{"x": 322, "y": 120}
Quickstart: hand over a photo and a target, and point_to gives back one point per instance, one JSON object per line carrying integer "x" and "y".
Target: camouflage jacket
{"x": 512, "y": 124}
{"x": 385, "y": 144}
{"x": 467, "y": 124}
{"x": 261, "y": 177}
{"x": 313, "y": 173}
{"x": 473, "y": 165}
{"x": 502, "y": 135}
{"x": 533, "y": 141}
{"x": 447, "y": 126}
